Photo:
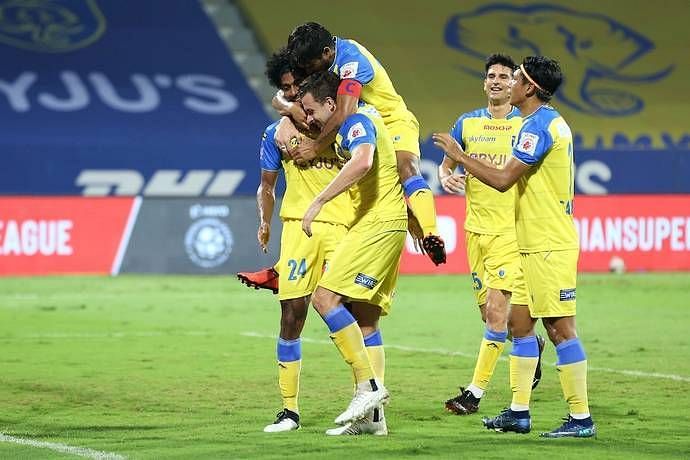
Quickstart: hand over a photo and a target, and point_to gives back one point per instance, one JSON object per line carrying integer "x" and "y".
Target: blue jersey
{"x": 544, "y": 207}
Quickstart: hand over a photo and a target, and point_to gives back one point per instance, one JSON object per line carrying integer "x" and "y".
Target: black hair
{"x": 307, "y": 42}
{"x": 320, "y": 85}
{"x": 498, "y": 58}
{"x": 278, "y": 65}
{"x": 546, "y": 73}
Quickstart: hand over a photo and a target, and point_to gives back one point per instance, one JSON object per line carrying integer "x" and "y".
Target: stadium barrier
{"x": 60, "y": 235}
{"x": 646, "y": 232}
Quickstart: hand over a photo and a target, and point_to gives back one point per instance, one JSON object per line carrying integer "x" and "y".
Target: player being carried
{"x": 542, "y": 167}
{"x": 492, "y": 250}
{"x": 313, "y": 49}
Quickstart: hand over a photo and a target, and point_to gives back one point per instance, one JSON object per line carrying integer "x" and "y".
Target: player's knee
{"x": 323, "y": 300}
{"x": 496, "y": 310}
{"x": 519, "y": 327}
{"x": 560, "y": 329}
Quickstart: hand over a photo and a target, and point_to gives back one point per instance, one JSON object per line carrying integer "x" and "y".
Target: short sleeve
{"x": 456, "y": 131}
{"x": 533, "y": 143}
{"x": 354, "y": 65}
{"x": 357, "y": 129}
{"x": 269, "y": 153}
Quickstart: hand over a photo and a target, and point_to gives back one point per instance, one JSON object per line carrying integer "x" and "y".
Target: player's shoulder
{"x": 541, "y": 118}
{"x": 270, "y": 131}
{"x": 348, "y": 46}
{"x": 359, "y": 125}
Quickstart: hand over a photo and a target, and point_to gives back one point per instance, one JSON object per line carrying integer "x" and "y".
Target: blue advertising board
{"x": 106, "y": 97}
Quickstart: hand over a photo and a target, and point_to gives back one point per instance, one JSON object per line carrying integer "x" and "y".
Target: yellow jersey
{"x": 354, "y": 62}
{"x": 481, "y": 136}
{"x": 304, "y": 183}
{"x": 544, "y": 208}
{"x": 378, "y": 196}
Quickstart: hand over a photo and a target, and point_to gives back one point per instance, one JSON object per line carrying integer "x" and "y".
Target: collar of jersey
{"x": 514, "y": 112}
{"x": 336, "y": 40}
{"x": 540, "y": 107}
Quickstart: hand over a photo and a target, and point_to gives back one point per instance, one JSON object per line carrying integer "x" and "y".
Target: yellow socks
{"x": 289, "y": 366}
{"x": 347, "y": 336}
{"x": 377, "y": 355}
{"x": 572, "y": 371}
{"x": 523, "y": 363}
{"x": 421, "y": 200}
{"x": 489, "y": 352}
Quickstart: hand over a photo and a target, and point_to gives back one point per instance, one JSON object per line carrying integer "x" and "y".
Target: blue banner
{"x": 114, "y": 97}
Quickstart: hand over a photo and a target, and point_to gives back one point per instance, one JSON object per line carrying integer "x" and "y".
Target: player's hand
{"x": 299, "y": 118}
{"x": 453, "y": 183}
{"x": 263, "y": 235}
{"x": 445, "y": 142}
{"x": 305, "y": 151}
{"x": 309, "y": 216}
{"x": 415, "y": 229}
{"x": 286, "y": 134}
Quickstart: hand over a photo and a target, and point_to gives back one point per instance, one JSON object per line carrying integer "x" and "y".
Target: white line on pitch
{"x": 442, "y": 351}
{"x": 63, "y": 448}
{"x": 104, "y": 335}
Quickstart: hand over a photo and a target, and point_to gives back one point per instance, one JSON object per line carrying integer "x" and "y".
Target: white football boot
{"x": 366, "y": 425}
{"x": 368, "y": 396}
{"x": 286, "y": 421}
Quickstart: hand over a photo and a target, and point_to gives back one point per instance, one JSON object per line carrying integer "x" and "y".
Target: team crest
{"x": 50, "y": 26}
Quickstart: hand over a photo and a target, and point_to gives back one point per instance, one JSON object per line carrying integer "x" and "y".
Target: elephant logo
{"x": 602, "y": 59}
{"x": 50, "y": 26}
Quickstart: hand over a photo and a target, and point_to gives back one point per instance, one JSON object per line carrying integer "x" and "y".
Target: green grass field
{"x": 183, "y": 367}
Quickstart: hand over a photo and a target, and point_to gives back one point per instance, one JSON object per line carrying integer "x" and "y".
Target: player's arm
{"x": 356, "y": 168}
{"x": 451, "y": 181}
{"x": 289, "y": 109}
{"x": 500, "y": 179}
{"x": 270, "y": 160}
{"x": 265, "y": 202}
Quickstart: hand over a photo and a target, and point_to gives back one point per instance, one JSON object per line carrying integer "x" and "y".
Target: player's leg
{"x": 523, "y": 362}
{"x": 405, "y": 134}
{"x": 364, "y": 269}
{"x": 302, "y": 262}
{"x": 289, "y": 355}
{"x": 467, "y": 401}
{"x": 560, "y": 270}
{"x": 347, "y": 337}
{"x": 520, "y": 300}
{"x": 374, "y": 422}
